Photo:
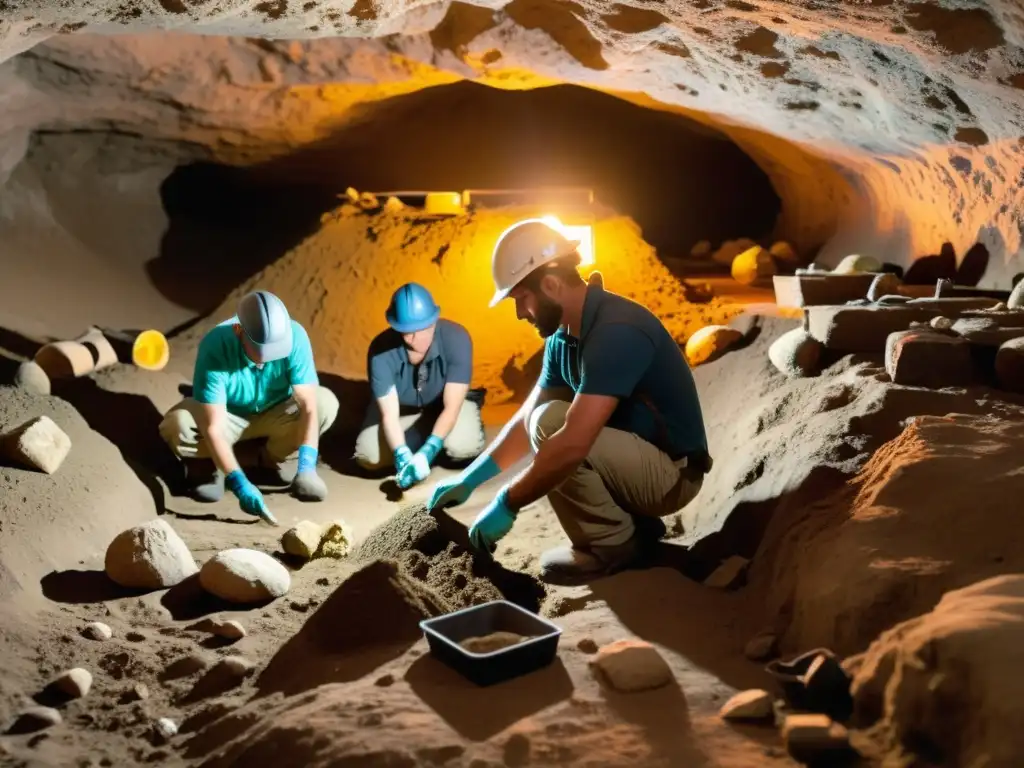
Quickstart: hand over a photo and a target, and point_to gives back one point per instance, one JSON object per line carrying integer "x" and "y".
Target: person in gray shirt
{"x": 419, "y": 370}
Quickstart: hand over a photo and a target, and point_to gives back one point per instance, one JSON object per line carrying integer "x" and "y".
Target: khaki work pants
{"x": 279, "y": 425}
{"x": 623, "y": 475}
{"x": 465, "y": 442}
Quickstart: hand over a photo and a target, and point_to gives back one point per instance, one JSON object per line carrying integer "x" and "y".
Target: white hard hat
{"x": 521, "y": 249}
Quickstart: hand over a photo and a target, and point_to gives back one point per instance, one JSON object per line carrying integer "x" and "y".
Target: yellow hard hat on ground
{"x": 151, "y": 351}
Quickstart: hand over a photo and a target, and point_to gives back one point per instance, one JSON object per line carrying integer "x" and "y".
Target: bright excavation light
{"x": 582, "y": 232}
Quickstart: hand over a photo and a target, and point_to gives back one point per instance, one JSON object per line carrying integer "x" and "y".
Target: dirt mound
{"x": 411, "y": 528}
{"x": 51, "y": 523}
{"x": 945, "y": 687}
{"x": 935, "y": 509}
{"x": 452, "y": 258}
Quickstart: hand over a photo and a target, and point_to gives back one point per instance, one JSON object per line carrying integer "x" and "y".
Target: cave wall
{"x": 890, "y": 128}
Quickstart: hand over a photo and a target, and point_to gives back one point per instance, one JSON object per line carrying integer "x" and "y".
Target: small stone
{"x": 728, "y": 574}
{"x": 796, "y": 353}
{"x": 587, "y": 645}
{"x": 855, "y": 264}
{"x": 709, "y": 342}
{"x": 38, "y": 443}
{"x": 761, "y": 647}
{"x": 244, "y": 576}
{"x": 74, "y": 683}
{"x": 97, "y": 631}
{"x": 165, "y": 729}
{"x": 31, "y": 377}
{"x": 754, "y": 704}
{"x": 229, "y": 630}
{"x": 752, "y": 265}
{"x": 185, "y": 666}
{"x": 236, "y": 666}
{"x": 811, "y": 738}
{"x": 33, "y": 719}
{"x": 941, "y": 323}
{"x": 302, "y": 540}
{"x": 336, "y": 541}
{"x": 149, "y": 556}
{"x": 368, "y": 201}
{"x": 393, "y": 204}
{"x": 632, "y": 665}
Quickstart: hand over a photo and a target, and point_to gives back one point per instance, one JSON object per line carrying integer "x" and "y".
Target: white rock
{"x": 97, "y": 631}
{"x": 754, "y": 704}
{"x": 38, "y": 443}
{"x": 165, "y": 728}
{"x": 302, "y": 540}
{"x": 31, "y": 377}
{"x": 244, "y": 576}
{"x": 855, "y": 264}
{"x": 632, "y": 665}
{"x": 229, "y": 630}
{"x": 941, "y": 323}
{"x": 149, "y": 556}
{"x": 710, "y": 341}
{"x": 75, "y": 682}
{"x": 1016, "y": 300}
{"x": 752, "y": 265}
{"x": 795, "y": 353}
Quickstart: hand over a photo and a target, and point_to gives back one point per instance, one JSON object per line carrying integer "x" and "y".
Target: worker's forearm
{"x": 555, "y": 461}
{"x": 310, "y": 427}
{"x": 393, "y": 432}
{"x": 446, "y": 421}
{"x": 511, "y": 444}
{"x": 221, "y": 452}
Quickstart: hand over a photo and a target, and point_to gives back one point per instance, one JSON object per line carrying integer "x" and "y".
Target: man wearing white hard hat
{"x": 614, "y": 422}
{"x": 254, "y": 379}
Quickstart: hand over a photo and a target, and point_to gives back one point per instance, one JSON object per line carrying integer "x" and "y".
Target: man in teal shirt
{"x": 614, "y": 422}
{"x": 254, "y": 379}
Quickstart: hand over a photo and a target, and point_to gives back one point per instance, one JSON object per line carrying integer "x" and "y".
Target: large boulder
{"x": 926, "y": 358}
{"x": 946, "y": 684}
{"x": 796, "y": 353}
{"x": 149, "y": 556}
{"x": 752, "y": 265}
{"x": 244, "y": 576}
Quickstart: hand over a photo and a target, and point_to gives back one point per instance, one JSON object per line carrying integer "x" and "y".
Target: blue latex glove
{"x": 493, "y": 523}
{"x": 417, "y": 470}
{"x": 307, "y": 459}
{"x": 403, "y": 456}
{"x": 249, "y": 497}
{"x": 455, "y": 490}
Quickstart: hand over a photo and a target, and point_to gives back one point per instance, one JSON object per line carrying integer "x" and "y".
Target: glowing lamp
{"x": 443, "y": 204}
{"x": 584, "y": 233}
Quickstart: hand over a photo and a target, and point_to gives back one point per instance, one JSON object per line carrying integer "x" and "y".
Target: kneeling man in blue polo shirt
{"x": 254, "y": 378}
{"x": 614, "y": 423}
{"x": 420, "y": 369}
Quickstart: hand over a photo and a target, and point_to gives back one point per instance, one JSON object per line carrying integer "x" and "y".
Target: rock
{"x": 810, "y": 738}
{"x": 941, "y": 323}
{"x": 1000, "y": 307}
{"x": 31, "y": 377}
{"x": 229, "y": 630}
{"x": 855, "y": 264}
{"x": 709, "y": 342}
{"x": 752, "y": 265}
{"x": 1016, "y": 299}
{"x": 632, "y": 665}
{"x": 32, "y": 719}
{"x": 729, "y": 574}
{"x": 1010, "y": 365}
{"x": 352, "y": 196}
{"x": 302, "y": 540}
{"x": 795, "y": 353}
{"x": 393, "y": 204}
{"x": 885, "y": 284}
{"x": 968, "y": 326}
{"x": 730, "y": 249}
{"x": 38, "y": 443}
{"x": 928, "y": 359}
{"x": 336, "y": 541}
{"x": 134, "y": 692}
{"x": 186, "y": 666}
{"x": 368, "y": 201}
{"x": 784, "y": 252}
{"x": 74, "y": 683}
{"x": 761, "y": 647}
{"x": 587, "y": 645}
{"x": 754, "y": 704}
{"x": 149, "y": 556}
{"x": 701, "y": 250}
{"x": 244, "y": 576}
{"x": 164, "y": 729}
{"x": 97, "y": 631}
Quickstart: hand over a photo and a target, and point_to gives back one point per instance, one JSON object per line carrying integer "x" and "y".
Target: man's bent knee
{"x": 178, "y": 429}
{"x": 546, "y": 420}
{"x": 367, "y": 453}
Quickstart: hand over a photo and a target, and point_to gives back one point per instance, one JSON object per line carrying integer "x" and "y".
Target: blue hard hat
{"x": 412, "y": 309}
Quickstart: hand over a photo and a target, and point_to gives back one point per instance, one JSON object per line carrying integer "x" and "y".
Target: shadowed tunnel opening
{"x": 680, "y": 181}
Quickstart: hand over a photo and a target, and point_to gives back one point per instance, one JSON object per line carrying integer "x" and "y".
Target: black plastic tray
{"x": 444, "y": 633}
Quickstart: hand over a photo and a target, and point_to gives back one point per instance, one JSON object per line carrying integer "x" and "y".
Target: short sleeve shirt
{"x": 624, "y": 351}
{"x": 224, "y": 374}
{"x": 449, "y": 359}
